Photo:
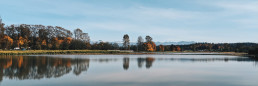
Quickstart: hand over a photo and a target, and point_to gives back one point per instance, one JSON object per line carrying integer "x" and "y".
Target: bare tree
{"x": 77, "y": 33}
{"x": 140, "y": 42}
{"x": 85, "y": 37}
{"x": 126, "y": 41}
{"x": 148, "y": 39}
{"x": 2, "y": 29}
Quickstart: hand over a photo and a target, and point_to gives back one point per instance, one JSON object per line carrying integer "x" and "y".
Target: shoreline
{"x": 55, "y": 52}
{"x": 107, "y": 52}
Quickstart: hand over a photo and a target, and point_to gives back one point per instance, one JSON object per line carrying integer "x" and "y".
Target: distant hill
{"x": 120, "y": 43}
{"x": 176, "y": 43}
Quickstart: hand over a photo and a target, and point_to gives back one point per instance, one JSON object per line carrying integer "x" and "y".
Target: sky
{"x": 214, "y": 21}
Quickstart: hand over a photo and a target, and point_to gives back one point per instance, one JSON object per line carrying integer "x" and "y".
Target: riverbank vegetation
{"x": 253, "y": 52}
{"x": 54, "y": 52}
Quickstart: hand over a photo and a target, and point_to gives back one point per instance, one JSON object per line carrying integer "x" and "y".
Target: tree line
{"x": 211, "y": 47}
{"x": 149, "y": 45}
{"x": 40, "y": 37}
{"x": 141, "y": 45}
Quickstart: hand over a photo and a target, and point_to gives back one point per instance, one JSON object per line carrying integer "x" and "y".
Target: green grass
{"x": 53, "y": 52}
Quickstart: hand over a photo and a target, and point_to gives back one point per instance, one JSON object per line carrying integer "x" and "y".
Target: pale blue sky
{"x": 164, "y": 20}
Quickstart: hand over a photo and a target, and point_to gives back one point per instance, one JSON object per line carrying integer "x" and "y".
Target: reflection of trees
{"x": 140, "y": 62}
{"x": 126, "y": 63}
{"x": 80, "y": 66}
{"x": 104, "y": 60}
{"x": 21, "y": 67}
{"x": 1, "y": 74}
{"x": 148, "y": 60}
{"x": 241, "y": 59}
{"x": 256, "y": 64}
{"x": 25, "y": 67}
{"x": 5, "y": 62}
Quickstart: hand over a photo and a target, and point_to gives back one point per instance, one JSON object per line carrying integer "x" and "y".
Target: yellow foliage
{"x": 22, "y": 41}
{"x": 7, "y": 41}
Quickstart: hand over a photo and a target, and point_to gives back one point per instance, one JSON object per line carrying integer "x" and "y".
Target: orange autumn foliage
{"x": 7, "y": 39}
{"x": 44, "y": 43}
{"x": 58, "y": 41}
{"x": 69, "y": 40}
{"x": 20, "y": 61}
{"x": 178, "y": 48}
{"x": 161, "y": 47}
{"x": 150, "y": 46}
{"x": 8, "y": 63}
{"x": 150, "y": 59}
{"x": 68, "y": 64}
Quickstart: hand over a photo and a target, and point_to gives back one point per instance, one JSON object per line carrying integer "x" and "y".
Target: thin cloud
{"x": 224, "y": 22}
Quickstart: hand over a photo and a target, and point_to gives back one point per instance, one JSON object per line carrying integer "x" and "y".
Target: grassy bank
{"x": 99, "y": 52}
{"x": 200, "y": 53}
{"x": 53, "y": 52}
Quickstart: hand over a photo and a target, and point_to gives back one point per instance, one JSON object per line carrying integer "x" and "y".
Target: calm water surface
{"x": 128, "y": 70}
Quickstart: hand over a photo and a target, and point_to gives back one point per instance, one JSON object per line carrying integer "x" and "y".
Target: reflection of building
{"x": 19, "y": 67}
{"x": 126, "y": 63}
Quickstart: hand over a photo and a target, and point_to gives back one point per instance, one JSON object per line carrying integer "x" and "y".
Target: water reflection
{"x": 22, "y": 67}
{"x": 126, "y": 63}
{"x": 240, "y": 59}
{"x": 140, "y": 60}
{"x": 80, "y": 65}
{"x": 148, "y": 60}
{"x": 38, "y": 67}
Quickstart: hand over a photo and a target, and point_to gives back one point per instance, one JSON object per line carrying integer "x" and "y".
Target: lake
{"x": 128, "y": 70}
